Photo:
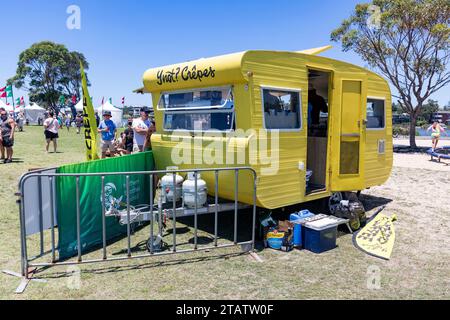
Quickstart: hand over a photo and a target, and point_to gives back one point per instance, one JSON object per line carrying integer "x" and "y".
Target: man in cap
{"x": 108, "y": 130}
{"x": 141, "y": 127}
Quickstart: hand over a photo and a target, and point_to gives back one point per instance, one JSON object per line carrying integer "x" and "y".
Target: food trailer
{"x": 310, "y": 126}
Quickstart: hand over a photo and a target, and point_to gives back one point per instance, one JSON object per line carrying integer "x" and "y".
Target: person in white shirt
{"x": 51, "y": 125}
{"x": 140, "y": 128}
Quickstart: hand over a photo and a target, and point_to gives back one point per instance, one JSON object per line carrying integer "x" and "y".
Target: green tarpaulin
{"x": 91, "y": 200}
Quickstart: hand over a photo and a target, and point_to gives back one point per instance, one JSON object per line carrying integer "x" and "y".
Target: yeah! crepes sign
{"x": 184, "y": 74}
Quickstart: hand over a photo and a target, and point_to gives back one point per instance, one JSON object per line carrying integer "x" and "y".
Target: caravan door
{"x": 349, "y": 135}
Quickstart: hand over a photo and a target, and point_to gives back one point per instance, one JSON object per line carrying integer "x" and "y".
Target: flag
{"x": 22, "y": 101}
{"x": 62, "y": 99}
{"x": 3, "y": 89}
{"x": 3, "y": 94}
{"x": 74, "y": 99}
{"x": 90, "y": 123}
{"x": 9, "y": 92}
{"x": 18, "y": 102}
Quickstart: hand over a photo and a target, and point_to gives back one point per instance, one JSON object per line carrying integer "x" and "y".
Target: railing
{"x": 216, "y": 207}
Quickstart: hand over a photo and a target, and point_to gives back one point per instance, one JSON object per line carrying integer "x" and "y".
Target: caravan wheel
{"x": 334, "y": 200}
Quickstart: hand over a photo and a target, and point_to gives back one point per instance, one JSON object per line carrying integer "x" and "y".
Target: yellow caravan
{"x": 311, "y": 127}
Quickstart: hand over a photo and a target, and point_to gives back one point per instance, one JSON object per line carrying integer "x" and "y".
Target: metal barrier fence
{"x": 216, "y": 207}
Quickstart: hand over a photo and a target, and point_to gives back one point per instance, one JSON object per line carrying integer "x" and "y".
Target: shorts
{"x": 435, "y": 135}
{"x": 105, "y": 145}
{"x": 51, "y": 135}
{"x": 7, "y": 142}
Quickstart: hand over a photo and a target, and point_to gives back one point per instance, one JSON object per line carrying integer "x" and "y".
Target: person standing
{"x": 7, "y": 129}
{"x": 20, "y": 121}
{"x": 141, "y": 127}
{"x": 51, "y": 125}
{"x": 108, "y": 130}
{"x": 67, "y": 122}
{"x": 148, "y": 137}
{"x": 79, "y": 123}
{"x": 2, "y": 149}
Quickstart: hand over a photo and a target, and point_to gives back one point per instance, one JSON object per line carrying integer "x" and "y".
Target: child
{"x": 436, "y": 130}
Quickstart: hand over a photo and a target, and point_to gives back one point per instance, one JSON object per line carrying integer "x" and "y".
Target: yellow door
{"x": 347, "y": 173}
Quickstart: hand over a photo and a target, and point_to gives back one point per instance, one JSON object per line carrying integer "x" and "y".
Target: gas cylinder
{"x": 189, "y": 191}
{"x": 167, "y": 187}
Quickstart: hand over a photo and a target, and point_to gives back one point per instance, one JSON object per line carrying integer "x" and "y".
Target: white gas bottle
{"x": 167, "y": 187}
{"x": 189, "y": 191}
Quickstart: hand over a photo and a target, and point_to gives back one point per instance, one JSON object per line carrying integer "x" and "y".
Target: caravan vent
{"x": 381, "y": 146}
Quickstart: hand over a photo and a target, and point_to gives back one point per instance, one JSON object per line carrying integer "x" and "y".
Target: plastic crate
{"x": 320, "y": 240}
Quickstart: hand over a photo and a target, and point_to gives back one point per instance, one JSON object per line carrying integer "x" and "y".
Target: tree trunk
{"x": 412, "y": 131}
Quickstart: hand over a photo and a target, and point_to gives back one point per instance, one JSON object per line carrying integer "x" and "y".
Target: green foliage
{"x": 401, "y": 130}
{"x": 408, "y": 41}
{"x": 427, "y": 111}
{"x": 48, "y": 70}
{"x": 421, "y": 123}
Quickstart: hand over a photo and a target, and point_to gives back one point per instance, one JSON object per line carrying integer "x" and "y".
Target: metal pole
{"x": 52, "y": 219}
{"x": 23, "y": 233}
{"x": 174, "y": 215}
{"x": 195, "y": 213}
{"x": 105, "y": 254}
{"x": 152, "y": 222}
{"x": 216, "y": 213}
{"x": 236, "y": 186}
{"x": 78, "y": 218}
{"x": 41, "y": 217}
{"x": 128, "y": 217}
{"x": 254, "y": 211}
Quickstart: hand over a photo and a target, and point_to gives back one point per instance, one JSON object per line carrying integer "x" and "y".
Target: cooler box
{"x": 297, "y": 219}
{"x": 319, "y": 239}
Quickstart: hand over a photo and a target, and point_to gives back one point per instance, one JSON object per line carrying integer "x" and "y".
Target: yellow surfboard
{"x": 377, "y": 238}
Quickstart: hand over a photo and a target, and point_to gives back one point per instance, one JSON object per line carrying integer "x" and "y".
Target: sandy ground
{"x": 420, "y": 160}
{"x": 419, "y": 193}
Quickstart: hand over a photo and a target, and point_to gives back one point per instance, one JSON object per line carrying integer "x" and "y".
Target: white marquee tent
{"x": 115, "y": 112}
{"x": 79, "y": 106}
{"x": 33, "y": 112}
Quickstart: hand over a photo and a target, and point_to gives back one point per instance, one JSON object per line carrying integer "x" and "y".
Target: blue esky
{"x": 121, "y": 39}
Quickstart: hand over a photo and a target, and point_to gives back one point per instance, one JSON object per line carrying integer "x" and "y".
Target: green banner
{"x": 91, "y": 200}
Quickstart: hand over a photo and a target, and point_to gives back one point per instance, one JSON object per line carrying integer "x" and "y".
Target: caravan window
{"x": 197, "y": 99}
{"x": 281, "y": 109}
{"x": 375, "y": 113}
{"x": 204, "y": 110}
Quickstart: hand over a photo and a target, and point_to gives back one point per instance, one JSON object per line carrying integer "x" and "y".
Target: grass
{"x": 225, "y": 273}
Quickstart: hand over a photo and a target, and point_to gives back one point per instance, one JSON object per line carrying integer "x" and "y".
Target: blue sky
{"x": 121, "y": 39}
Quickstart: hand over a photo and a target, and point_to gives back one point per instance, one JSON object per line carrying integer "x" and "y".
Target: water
{"x": 423, "y": 133}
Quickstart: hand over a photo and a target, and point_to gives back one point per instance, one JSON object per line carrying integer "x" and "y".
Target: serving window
{"x": 201, "y": 109}
{"x": 281, "y": 109}
{"x": 375, "y": 113}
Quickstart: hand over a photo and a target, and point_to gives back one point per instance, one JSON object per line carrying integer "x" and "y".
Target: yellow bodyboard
{"x": 377, "y": 238}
